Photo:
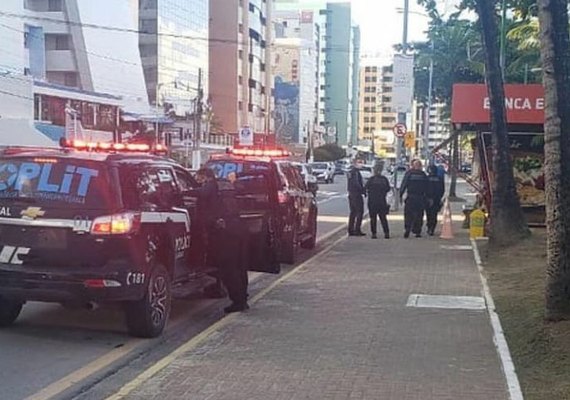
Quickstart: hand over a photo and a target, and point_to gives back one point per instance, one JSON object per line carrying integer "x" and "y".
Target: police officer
{"x": 356, "y": 192}
{"x": 435, "y": 192}
{"x": 226, "y": 239}
{"x": 377, "y": 188}
{"x": 415, "y": 184}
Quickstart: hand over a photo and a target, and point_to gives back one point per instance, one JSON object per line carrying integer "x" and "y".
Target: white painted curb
{"x": 515, "y": 392}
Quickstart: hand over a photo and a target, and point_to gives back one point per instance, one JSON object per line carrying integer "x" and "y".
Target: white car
{"x": 366, "y": 172}
{"x": 323, "y": 171}
{"x": 307, "y": 174}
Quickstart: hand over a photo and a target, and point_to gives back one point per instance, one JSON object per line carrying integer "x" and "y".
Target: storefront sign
{"x": 471, "y": 105}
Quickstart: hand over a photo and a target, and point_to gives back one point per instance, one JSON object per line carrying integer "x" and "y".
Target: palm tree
{"x": 555, "y": 51}
{"x": 508, "y": 222}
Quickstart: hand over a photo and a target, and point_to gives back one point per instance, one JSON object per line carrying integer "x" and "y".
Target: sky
{"x": 382, "y": 25}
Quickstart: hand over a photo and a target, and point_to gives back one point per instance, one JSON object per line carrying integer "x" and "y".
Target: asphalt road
{"x": 54, "y": 352}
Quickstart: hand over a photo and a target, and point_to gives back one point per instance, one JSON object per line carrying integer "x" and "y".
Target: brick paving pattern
{"x": 340, "y": 330}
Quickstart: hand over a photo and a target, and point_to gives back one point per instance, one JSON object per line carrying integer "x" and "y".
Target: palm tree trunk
{"x": 555, "y": 52}
{"x": 508, "y": 224}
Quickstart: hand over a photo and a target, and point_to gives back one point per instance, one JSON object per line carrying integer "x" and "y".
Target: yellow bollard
{"x": 477, "y": 224}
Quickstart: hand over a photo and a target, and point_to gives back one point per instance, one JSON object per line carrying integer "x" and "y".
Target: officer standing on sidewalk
{"x": 226, "y": 240}
{"x": 356, "y": 192}
{"x": 435, "y": 192}
{"x": 377, "y": 188}
{"x": 415, "y": 184}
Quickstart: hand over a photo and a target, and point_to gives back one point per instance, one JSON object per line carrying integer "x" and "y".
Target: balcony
{"x": 60, "y": 61}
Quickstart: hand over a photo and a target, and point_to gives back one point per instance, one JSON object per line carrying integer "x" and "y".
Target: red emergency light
{"x": 272, "y": 153}
{"x": 116, "y": 147}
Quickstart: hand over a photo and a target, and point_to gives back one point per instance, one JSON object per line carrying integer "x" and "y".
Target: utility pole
{"x": 402, "y": 117}
{"x": 196, "y": 162}
{"x": 429, "y": 102}
{"x": 336, "y": 133}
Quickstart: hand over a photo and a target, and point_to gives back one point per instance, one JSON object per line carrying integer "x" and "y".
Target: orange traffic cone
{"x": 447, "y": 226}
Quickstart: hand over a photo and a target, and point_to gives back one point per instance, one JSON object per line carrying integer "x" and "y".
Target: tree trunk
{"x": 508, "y": 224}
{"x": 453, "y": 169}
{"x": 555, "y": 52}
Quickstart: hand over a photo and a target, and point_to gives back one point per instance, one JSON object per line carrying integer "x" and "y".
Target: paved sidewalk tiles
{"x": 340, "y": 329}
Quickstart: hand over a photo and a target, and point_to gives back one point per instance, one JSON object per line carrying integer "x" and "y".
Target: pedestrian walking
{"x": 377, "y": 188}
{"x": 356, "y": 192}
{"x": 226, "y": 238}
{"x": 415, "y": 185}
{"x": 435, "y": 192}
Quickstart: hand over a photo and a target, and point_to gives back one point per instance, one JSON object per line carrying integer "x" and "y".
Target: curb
{"x": 513, "y": 385}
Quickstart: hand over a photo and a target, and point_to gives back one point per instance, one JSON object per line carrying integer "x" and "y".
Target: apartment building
{"x": 296, "y": 63}
{"x": 51, "y": 42}
{"x": 240, "y": 81}
{"x": 173, "y": 45}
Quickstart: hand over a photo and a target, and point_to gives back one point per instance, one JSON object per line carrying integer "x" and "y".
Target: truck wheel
{"x": 9, "y": 311}
{"x": 289, "y": 249}
{"x": 147, "y": 318}
{"x": 311, "y": 242}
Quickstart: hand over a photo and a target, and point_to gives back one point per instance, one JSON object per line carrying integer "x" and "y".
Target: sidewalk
{"x": 340, "y": 329}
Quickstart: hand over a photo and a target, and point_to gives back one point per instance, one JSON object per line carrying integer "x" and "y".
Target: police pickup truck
{"x": 98, "y": 223}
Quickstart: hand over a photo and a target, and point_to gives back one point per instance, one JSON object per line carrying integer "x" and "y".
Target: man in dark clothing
{"x": 355, "y": 200}
{"x": 435, "y": 192}
{"x": 415, "y": 184}
{"x": 225, "y": 238}
{"x": 377, "y": 188}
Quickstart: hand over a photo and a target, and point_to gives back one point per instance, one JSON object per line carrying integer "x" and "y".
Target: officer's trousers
{"x": 414, "y": 214}
{"x": 356, "y": 204}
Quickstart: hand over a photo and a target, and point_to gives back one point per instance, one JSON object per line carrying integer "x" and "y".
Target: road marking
{"x": 196, "y": 340}
{"x": 515, "y": 392}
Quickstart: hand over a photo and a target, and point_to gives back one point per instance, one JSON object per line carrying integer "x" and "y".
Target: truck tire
{"x": 311, "y": 242}
{"x": 147, "y": 318}
{"x": 289, "y": 247}
{"x": 9, "y": 311}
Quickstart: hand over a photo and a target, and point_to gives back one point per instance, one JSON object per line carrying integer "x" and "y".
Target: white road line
{"x": 515, "y": 392}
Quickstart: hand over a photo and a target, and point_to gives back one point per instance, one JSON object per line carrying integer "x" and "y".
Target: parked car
{"x": 366, "y": 171}
{"x": 275, "y": 200}
{"x": 307, "y": 173}
{"x": 323, "y": 171}
{"x": 341, "y": 166}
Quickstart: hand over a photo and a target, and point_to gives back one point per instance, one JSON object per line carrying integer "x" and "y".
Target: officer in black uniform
{"x": 356, "y": 192}
{"x": 435, "y": 192}
{"x": 226, "y": 238}
{"x": 377, "y": 188}
{"x": 415, "y": 184}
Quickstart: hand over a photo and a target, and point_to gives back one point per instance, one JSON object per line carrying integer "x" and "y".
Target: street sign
{"x": 400, "y": 130}
{"x": 245, "y": 136}
{"x": 410, "y": 140}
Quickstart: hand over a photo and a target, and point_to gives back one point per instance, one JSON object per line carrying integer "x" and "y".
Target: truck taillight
{"x": 117, "y": 224}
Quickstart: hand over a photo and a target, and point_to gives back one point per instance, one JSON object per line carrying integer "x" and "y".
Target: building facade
{"x": 174, "y": 48}
{"x": 338, "y": 74}
{"x": 355, "y": 87}
{"x": 241, "y": 85}
{"x": 59, "y": 48}
{"x": 297, "y": 32}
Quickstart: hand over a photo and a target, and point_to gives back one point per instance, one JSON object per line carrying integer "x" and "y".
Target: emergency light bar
{"x": 273, "y": 153}
{"x": 119, "y": 147}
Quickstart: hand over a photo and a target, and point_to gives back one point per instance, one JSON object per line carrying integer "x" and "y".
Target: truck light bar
{"x": 273, "y": 153}
{"x": 118, "y": 147}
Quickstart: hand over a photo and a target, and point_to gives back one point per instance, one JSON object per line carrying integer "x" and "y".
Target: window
{"x": 366, "y": 129}
{"x": 70, "y": 79}
{"x": 240, "y": 54}
{"x": 366, "y": 119}
{"x": 185, "y": 180}
{"x": 386, "y": 109}
{"x": 373, "y": 120}
{"x": 149, "y": 188}
{"x": 240, "y": 28}
{"x": 367, "y": 99}
{"x": 62, "y": 42}
{"x": 55, "y": 5}
{"x": 240, "y": 80}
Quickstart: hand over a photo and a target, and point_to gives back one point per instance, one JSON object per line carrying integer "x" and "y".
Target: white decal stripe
{"x": 44, "y": 222}
{"x": 158, "y": 217}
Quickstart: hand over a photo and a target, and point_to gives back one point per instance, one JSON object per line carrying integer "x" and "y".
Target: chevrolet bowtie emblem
{"x": 32, "y": 213}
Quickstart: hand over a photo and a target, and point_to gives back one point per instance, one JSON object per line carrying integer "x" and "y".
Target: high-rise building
{"x": 338, "y": 74}
{"x": 355, "y": 86}
{"x": 297, "y": 32}
{"x": 174, "y": 49}
{"x": 75, "y": 43}
{"x": 241, "y": 84}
